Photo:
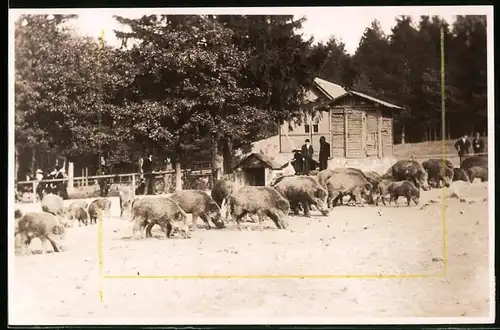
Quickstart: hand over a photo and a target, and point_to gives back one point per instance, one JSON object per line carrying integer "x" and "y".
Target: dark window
{"x": 315, "y": 128}
{"x": 306, "y": 128}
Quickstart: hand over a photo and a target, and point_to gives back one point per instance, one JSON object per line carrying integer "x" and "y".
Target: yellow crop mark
{"x": 443, "y": 151}
{"x": 99, "y": 248}
{"x": 99, "y": 209}
{"x": 311, "y": 276}
{"x": 277, "y": 276}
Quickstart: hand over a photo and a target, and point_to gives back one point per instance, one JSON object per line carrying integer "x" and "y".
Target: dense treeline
{"x": 405, "y": 68}
{"x": 194, "y": 86}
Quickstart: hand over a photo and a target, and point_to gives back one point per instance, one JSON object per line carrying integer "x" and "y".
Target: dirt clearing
{"x": 59, "y": 287}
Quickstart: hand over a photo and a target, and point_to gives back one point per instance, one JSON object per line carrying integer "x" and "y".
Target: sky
{"x": 345, "y": 23}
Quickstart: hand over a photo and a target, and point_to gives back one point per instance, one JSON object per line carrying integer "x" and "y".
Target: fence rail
{"x": 107, "y": 176}
{"x": 157, "y": 174}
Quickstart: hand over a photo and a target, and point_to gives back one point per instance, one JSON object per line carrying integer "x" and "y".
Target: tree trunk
{"x": 227, "y": 154}
{"x": 215, "y": 164}
{"x": 178, "y": 173}
{"x": 16, "y": 163}
{"x": 33, "y": 160}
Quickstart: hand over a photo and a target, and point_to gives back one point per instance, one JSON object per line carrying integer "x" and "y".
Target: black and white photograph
{"x": 272, "y": 165}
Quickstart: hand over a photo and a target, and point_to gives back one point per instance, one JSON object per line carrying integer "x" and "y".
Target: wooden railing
{"x": 133, "y": 177}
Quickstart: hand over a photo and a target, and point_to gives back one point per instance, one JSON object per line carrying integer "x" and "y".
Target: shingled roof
{"x": 263, "y": 158}
{"x": 366, "y": 97}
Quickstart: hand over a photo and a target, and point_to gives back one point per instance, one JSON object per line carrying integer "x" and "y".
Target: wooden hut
{"x": 256, "y": 169}
{"x": 293, "y": 134}
{"x": 356, "y": 125}
{"x": 361, "y": 126}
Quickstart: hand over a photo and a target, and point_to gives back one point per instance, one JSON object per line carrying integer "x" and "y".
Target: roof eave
{"x": 322, "y": 90}
{"x": 389, "y": 106}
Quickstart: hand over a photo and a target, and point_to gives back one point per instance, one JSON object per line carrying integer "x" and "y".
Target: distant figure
{"x": 307, "y": 153}
{"x": 39, "y": 186}
{"x": 324, "y": 153}
{"x": 104, "y": 183}
{"x": 297, "y": 161}
{"x": 147, "y": 169}
{"x": 478, "y": 144}
{"x": 462, "y": 145}
{"x": 39, "y": 175}
{"x": 141, "y": 188}
{"x": 28, "y": 175}
{"x": 61, "y": 185}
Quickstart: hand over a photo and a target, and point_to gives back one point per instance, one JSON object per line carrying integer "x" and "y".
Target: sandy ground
{"x": 59, "y": 287}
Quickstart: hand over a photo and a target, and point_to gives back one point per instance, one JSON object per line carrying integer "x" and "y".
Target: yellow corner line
{"x": 99, "y": 249}
{"x": 277, "y": 276}
{"x": 299, "y": 276}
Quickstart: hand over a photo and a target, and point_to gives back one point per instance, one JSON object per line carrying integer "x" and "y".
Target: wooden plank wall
{"x": 387, "y": 137}
{"x": 337, "y": 143}
{"x": 371, "y": 134}
{"x": 355, "y": 134}
{"x": 322, "y": 120}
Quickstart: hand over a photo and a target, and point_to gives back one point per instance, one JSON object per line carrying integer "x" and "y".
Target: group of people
{"x": 304, "y": 162}
{"x": 303, "y": 158}
{"x": 59, "y": 188}
{"x": 463, "y": 145}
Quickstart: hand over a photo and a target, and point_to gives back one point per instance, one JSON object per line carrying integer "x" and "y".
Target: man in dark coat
{"x": 307, "y": 153}
{"x": 61, "y": 186}
{"x": 478, "y": 144}
{"x": 297, "y": 162}
{"x": 462, "y": 145}
{"x": 104, "y": 183}
{"x": 147, "y": 169}
{"x": 324, "y": 153}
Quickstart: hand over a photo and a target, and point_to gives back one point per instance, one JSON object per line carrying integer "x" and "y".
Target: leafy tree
{"x": 187, "y": 89}
{"x": 66, "y": 90}
{"x": 35, "y": 37}
{"x": 282, "y": 65}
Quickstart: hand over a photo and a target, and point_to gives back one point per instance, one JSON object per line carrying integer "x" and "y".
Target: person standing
{"x": 39, "y": 187}
{"x": 478, "y": 144}
{"x": 104, "y": 183}
{"x": 297, "y": 162}
{"x": 62, "y": 188}
{"x": 307, "y": 153}
{"x": 147, "y": 169}
{"x": 462, "y": 145}
{"x": 39, "y": 175}
{"x": 324, "y": 153}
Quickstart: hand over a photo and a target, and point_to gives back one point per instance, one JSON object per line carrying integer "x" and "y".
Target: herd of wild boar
{"x": 296, "y": 193}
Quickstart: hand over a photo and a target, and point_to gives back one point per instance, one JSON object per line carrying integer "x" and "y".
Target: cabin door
{"x": 370, "y": 133}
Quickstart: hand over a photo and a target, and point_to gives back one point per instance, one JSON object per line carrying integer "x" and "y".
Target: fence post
{"x": 34, "y": 191}
{"x": 71, "y": 175}
{"x": 133, "y": 182}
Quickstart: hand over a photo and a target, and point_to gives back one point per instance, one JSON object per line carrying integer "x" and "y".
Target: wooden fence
{"x": 122, "y": 178}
